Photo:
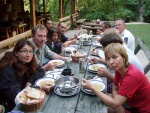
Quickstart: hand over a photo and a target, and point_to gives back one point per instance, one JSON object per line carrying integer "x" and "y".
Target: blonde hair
{"x": 116, "y": 47}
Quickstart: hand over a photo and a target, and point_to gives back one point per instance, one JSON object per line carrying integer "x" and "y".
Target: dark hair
{"x": 38, "y": 26}
{"x": 50, "y": 33}
{"x": 10, "y": 59}
{"x": 107, "y": 25}
{"x": 47, "y": 19}
{"x": 110, "y": 38}
{"x": 60, "y": 23}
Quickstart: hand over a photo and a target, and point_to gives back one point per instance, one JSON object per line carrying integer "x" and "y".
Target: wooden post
{"x": 74, "y": 6}
{"x": 71, "y": 12}
{"x": 44, "y": 8}
{"x": 60, "y": 9}
{"x": 32, "y": 13}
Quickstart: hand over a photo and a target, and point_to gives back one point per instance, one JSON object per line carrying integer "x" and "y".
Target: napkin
{"x": 54, "y": 71}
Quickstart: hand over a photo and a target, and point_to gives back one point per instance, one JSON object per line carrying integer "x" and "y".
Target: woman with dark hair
{"x": 18, "y": 69}
{"x": 53, "y": 41}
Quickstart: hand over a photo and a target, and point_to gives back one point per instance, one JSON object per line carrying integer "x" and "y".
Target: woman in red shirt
{"x": 130, "y": 84}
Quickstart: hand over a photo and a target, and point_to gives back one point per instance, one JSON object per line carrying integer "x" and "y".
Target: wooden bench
{"x": 77, "y": 22}
{"x": 80, "y": 21}
{"x": 141, "y": 46}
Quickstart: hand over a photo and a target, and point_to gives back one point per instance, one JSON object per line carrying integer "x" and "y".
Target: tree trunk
{"x": 140, "y": 11}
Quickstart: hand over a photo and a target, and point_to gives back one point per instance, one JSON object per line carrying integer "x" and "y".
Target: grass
{"x": 142, "y": 31}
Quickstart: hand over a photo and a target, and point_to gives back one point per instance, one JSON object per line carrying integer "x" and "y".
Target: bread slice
{"x": 34, "y": 93}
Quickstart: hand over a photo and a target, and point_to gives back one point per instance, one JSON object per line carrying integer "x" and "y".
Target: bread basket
{"x": 75, "y": 58}
{"x": 34, "y": 106}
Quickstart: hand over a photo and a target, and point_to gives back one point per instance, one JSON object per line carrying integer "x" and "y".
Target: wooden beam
{"x": 74, "y": 6}
{"x": 14, "y": 39}
{"x": 32, "y": 13}
{"x": 60, "y": 9}
{"x": 44, "y": 8}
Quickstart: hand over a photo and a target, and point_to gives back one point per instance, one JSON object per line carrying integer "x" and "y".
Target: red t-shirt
{"x": 134, "y": 85}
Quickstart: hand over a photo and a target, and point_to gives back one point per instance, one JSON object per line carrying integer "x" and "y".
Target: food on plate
{"x": 76, "y": 53}
{"x": 46, "y": 82}
{"x": 59, "y": 63}
{"x": 97, "y": 86}
{"x": 95, "y": 68}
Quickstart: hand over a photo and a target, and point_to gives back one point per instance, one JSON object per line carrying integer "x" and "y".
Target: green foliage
{"x": 98, "y": 9}
{"x": 147, "y": 11}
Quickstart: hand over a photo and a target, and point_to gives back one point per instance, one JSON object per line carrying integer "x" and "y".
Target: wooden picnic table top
{"x": 79, "y": 103}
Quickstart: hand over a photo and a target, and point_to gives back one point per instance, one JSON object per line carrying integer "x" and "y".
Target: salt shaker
{"x": 81, "y": 65}
{"x": 68, "y": 63}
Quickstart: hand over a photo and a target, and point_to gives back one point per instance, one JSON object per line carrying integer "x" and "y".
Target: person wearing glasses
{"x": 62, "y": 29}
{"x": 18, "y": 69}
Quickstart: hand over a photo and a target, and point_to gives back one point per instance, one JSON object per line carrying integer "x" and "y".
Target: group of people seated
{"x": 29, "y": 60}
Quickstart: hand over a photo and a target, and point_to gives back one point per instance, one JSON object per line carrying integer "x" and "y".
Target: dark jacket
{"x": 56, "y": 48}
{"x": 10, "y": 85}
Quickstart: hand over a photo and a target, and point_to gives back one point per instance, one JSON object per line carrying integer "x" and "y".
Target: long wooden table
{"x": 79, "y": 103}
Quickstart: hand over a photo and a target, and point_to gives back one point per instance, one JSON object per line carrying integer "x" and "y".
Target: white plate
{"x": 101, "y": 86}
{"x": 60, "y": 63}
{"x": 69, "y": 49}
{"x": 94, "y": 67}
{"x": 45, "y": 79}
{"x": 101, "y": 54}
{"x": 97, "y": 44}
{"x": 56, "y": 75}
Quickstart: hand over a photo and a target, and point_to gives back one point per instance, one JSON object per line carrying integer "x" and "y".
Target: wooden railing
{"x": 14, "y": 39}
{"x": 141, "y": 46}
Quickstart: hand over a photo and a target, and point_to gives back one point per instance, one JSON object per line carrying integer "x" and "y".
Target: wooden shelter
{"x": 18, "y": 6}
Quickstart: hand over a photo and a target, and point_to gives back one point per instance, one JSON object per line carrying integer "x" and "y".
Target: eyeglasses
{"x": 26, "y": 52}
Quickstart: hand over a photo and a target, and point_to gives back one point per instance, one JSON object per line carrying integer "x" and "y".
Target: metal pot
{"x": 67, "y": 83}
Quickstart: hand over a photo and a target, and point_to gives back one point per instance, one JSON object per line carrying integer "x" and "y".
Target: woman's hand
{"x": 103, "y": 71}
{"x": 93, "y": 60}
{"x": 46, "y": 87}
{"x": 86, "y": 84}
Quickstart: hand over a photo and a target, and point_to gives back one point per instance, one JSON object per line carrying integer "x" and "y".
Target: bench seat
{"x": 80, "y": 21}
